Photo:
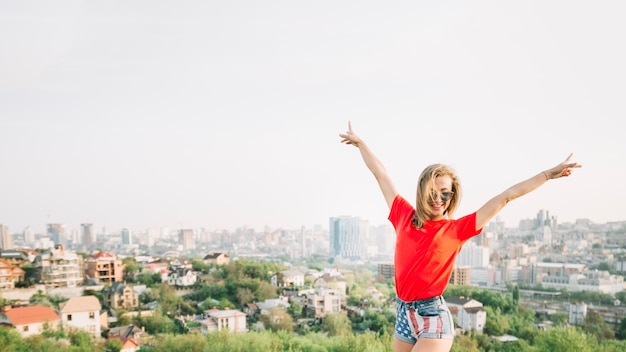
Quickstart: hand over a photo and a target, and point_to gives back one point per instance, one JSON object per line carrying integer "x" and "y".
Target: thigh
{"x": 433, "y": 345}
{"x": 402, "y": 346}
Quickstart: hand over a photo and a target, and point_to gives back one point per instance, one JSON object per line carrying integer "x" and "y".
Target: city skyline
{"x": 189, "y": 115}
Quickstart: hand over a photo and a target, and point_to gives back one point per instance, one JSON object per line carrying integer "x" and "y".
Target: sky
{"x": 226, "y": 114}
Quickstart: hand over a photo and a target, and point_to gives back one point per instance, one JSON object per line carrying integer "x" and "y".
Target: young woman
{"x": 428, "y": 239}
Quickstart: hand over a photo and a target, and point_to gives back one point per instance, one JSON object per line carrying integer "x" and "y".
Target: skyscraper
{"x": 347, "y": 237}
{"x": 6, "y": 240}
{"x": 185, "y": 237}
{"x": 87, "y": 236}
{"x": 56, "y": 233}
{"x": 127, "y": 237}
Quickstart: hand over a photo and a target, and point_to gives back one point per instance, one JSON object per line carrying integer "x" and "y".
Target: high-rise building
{"x": 88, "y": 237}
{"x": 461, "y": 275}
{"x": 185, "y": 237}
{"x": 29, "y": 235}
{"x": 347, "y": 237}
{"x": 473, "y": 255}
{"x": 127, "y": 237}
{"x": 56, "y": 233}
{"x": 6, "y": 240}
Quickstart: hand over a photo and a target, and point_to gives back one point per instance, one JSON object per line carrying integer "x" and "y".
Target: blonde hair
{"x": 425, "y": 187}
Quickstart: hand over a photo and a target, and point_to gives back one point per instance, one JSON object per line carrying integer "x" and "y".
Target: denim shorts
{"x": 429, "y": 318}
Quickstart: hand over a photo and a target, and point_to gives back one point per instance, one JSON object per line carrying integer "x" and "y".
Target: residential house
{"x": 159, "y": 266}
{"x": 58, "y": 267}
{"x": 10, "y": 274}
{"x": 251, "y": 309}
{"x": 130, "y": 346}
{"x": 120, "y": 295}
{"x": 104, "y": 267}
{"x": 280, "y": 302}
{"x": 218, "y": 258}
{"x": 128, "y": 332}
{"x": 288, "y": 278}
{"x": 15, "y": 257}
{"x": 228, "y": 319}
{"x": 331, "y": 281}
{"x": 317, "y": 303}
{"x": 31, "y": 320}
{"x": 82, "y": 312}
{"x": 182, "y": 277}
{"x": 470, "y": 314}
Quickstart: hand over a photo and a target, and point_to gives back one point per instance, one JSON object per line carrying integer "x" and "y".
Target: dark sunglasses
{"x": 445, "y": 196}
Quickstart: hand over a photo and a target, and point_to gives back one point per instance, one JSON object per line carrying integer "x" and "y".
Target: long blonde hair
{"x": 425, "y": 187}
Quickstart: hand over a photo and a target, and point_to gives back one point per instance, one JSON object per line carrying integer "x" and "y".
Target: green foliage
{"x": 114, "y": 345}
{"x": 594, "y": 324}
{"x": 565, "y": 339}
{"x": 559, "y": 318}
{"x": 337, "y": 324}
{"x": 621, "y": 330}
{"x": 200, "y": 266}
{"x": 11, "y": 341}
{"x": 277, "y": 319}
{"x": 464, "y": 343}
{"x": 497, "y": 324}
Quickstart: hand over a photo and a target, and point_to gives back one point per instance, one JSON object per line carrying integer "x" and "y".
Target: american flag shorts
{"x": 428, "y": 318}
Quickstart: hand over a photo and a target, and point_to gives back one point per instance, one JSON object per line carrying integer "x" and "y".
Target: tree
{"x": 594, "y": 324}
{"x": 277, "y": 319}
{"x": 337, "y": 324}
{"x": 559, "y": 318}
{"x": 496, "y": 324}
{"x": 621, "y": 330}
{"x": 244, "y": 296}
{"x": 516, "y": 296}
{"x": 565, "y": 339}
{"x": 114, "y": 345}
{"x": 131, "y": 267}
{"x": 464, "y": 343}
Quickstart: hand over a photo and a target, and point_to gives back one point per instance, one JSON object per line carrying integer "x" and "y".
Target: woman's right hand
{"x": 350, "y": 137}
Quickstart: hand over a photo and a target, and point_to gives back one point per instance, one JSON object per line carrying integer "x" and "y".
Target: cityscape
{"x": 541, "y": 257}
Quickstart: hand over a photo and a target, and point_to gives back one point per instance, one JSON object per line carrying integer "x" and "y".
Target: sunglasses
{"x": 445, "y": 196}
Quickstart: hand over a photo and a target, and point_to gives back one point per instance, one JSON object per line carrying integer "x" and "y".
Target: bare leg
{"x": 433, "y": 345}
{"x": 401, "y": 346}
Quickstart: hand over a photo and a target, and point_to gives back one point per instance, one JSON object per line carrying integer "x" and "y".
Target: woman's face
{"x": 440, "y": 198}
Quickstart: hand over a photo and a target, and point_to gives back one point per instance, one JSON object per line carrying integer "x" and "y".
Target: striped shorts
{"x": 428, "y": 318}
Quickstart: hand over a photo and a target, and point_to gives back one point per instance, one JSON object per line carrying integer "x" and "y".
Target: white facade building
{"x": 82, "y": 312}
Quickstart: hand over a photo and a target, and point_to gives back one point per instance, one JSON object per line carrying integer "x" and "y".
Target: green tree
{"x": 497, "y": 324}
{"x": 594, "y": 324}
{"x": 277, "y": 319}
{"x": 337, "y": 324}
{"x": 464, "y": 343}
{"x": 264, "y": 291}
{"x": 613, "y": 346}
{"x": 516, "y": 296}
{"x": 621, "y": 330}
{"x": 114, "y": 345}
{"x": 517, "y": 346}
{"x": 559, "y": 318}
{"x": 565, "y": 339}
{"x": 244, "y": 296}
{"x": 131, "y": 267}
{"x": 11, "y": 340}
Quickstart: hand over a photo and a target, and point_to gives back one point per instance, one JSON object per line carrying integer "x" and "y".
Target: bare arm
{"x": 373, "y": 164}
{"x": 495, "y": 204}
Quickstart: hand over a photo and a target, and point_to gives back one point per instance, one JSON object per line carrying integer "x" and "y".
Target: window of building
{"x": 92, "y": 315}
{"x": 25, "y": 328}
{"x": 69, "y": 317}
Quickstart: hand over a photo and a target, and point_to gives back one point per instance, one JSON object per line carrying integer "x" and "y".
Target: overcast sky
{"x": 222, "y": 114}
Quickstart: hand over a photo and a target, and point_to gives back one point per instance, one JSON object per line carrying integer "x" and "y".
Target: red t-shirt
{"x": 424, "y": 258}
